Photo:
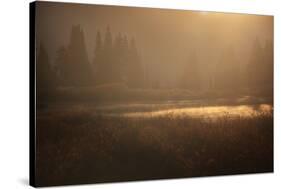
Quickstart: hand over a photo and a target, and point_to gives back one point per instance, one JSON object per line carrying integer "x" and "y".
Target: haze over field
{"x": 128, "y": 93}
{"x": 166, "y": 39}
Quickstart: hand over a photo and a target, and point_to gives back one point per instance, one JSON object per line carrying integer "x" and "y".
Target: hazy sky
{"x": 164, "y": 37}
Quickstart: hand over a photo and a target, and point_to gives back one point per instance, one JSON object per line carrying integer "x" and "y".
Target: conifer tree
{"x": 44, "y": 73}
{"x": 72, "y": 61}
{"x": 135, "y": 70}
{"x": 191, "y": 79}
{"x": 228, "y": 73}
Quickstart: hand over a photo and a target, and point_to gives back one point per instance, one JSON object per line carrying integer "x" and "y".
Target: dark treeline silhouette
{"x": 46, "y": 80}
{"x": 227, "y": 72}
{"x": 73, "y": 66}
{"x": 233, "y": 73}
{"x": 116, "y": 59}
{"x": 260, "y": 66}
{"x": 191, "y": 78}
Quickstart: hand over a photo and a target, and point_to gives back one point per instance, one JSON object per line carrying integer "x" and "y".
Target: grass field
{"x": 81, "y": 147}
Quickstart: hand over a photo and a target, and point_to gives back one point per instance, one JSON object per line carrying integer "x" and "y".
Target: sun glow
{"x": 203, "y": 12}
{"x": 210, "y": 112}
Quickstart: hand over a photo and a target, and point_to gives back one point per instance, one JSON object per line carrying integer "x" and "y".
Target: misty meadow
{"x": 125, "y": 94}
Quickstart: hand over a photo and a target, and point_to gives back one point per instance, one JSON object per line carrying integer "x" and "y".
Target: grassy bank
{"x": 120, "y": 93}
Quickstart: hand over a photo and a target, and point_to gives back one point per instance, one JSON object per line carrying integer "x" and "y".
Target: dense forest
{"x": 117, "y": 60}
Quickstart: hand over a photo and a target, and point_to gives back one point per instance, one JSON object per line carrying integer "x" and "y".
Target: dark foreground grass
{"x": 78, "y": 147}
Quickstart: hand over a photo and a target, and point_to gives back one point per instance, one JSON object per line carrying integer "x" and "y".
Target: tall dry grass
{"x": 77, "y": 147}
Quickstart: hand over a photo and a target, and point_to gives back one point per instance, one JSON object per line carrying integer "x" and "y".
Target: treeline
{"x": 260, "y": 67}
{"x": 116, "y": 59}
{"x": 231, "y": 71}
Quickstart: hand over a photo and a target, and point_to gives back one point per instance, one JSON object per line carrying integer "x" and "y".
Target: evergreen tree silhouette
{"x": 191, "y": 78}
{"x": 260, "y": 66}
{"x": 255, "y": 65}
{"x": 99, "y": 44}
{"x": 268, "y": 58}
{"x": 108, "y": 40}
{"x": 98, "y": 57}
{"x": 135, "y": 70}
{"x": 72, "y": 61}
{"x": 117, "y": 60}
{"x": 105, "y": 59}
{"x": 228, "y": 72}
{"x": 45, "y": 78}
{"x": 45, "y": 75}
{"x": 80, "y": 67}
{"x": 61, "y": 63}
